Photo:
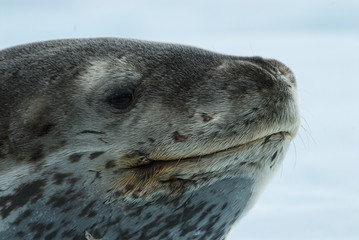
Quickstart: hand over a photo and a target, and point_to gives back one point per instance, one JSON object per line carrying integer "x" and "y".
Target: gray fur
{"x": 184, "y": 161}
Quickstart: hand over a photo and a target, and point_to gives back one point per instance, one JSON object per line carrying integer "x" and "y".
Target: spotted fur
{"x": 182, "y": 157}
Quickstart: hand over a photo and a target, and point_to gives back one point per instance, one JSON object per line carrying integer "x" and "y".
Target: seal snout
{"x": 280, "y": 71}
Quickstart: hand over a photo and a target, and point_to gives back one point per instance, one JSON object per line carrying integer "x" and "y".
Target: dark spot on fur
{"x": 38, "y": 228}
{"x": 116, "y": 221}
{"x": 151, "y": 140}
{"x": 78, "y": 236}
{"x": 75, "y": 157}
{"x": 119, "y": 193}
{"x": 143, "y": 161}
{"x": 188, "y": 229}
{"x": 132, "y": 155}
{"x": 49, "y": 226}
{"x": 249, "y": 122}
{"x": 77, "y": 195}
{"x": 69, "y": 191}
{"x": 179, "y": 138}
{"x": 37, "y": 155}
{"x": 72, "y": 181}
{"x": 86, "y": 210}
{"x": 237, "y": 213}
{"x": 60, "y": 199}
{"x": 136, "y": 194}
{"x": 66, "y": 209}
{"x": 171, "y": 222}
{"x": 206, "y": 211}
{"x": 91, "y": 132}
{"x": 266, "y": 140}
{"x": 164, "y": 235}
{"x": 26, "y": 192}
{"x": 51, "y": 235}
{"x": 200, "y": 133}
{"x": 209, "y": 226}
{"x": 59, "y": 145}
{"x": 20, "y": 234}
{"x": 103, "y": 140}
{"x": 92, "y": 214}
{"x": 23, "y": 216}
{"x": 220, "y": 233}
{"x": 6, "y": 145}
{"x": 95, "y": 155}
{"x": 251, "y": 164}
{"x": 224, "y": 206}
{"x": 110, "y": 164}
{"x": 45, "y": 129}
{"x": 68, "y": 233}
{"x": 215, "y": 134}
{"x": 189, "y": 213}
{"x": 274, "y": 156}
{"x": 129, "y": 187}
{"x": 206, "y": 117}
{"x": 60, "y": 177}
{"x": 57, "y": 201}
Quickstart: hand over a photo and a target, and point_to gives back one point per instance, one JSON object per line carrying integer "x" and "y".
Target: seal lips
{"x": 175, "y": 176}
{"x": 150, "y": 165}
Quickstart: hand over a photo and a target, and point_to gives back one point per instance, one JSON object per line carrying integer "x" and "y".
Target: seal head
{"x": 128, "y": 139}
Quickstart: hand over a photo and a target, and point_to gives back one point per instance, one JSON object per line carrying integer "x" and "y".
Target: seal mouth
{"x": 143, "y": 175}
{"x": 148, "y": 162}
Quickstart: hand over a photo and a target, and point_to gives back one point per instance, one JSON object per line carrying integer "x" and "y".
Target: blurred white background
{"x": 315, "y": 195}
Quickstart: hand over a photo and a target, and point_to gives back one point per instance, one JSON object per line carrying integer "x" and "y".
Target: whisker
{"x": 307, "y": 131}
{"x": 295, "y": 154}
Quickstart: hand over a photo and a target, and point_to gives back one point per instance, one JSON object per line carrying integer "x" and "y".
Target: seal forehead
{"x": 107, "y": 71}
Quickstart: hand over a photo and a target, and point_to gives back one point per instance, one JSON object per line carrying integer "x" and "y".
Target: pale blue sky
{"x": 22, "y": 21}
{"x": 315, "y": 195}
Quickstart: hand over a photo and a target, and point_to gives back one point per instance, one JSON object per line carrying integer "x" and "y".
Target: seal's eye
{"x": 121, "y": 98}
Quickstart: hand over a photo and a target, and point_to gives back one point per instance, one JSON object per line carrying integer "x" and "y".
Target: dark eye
{"x": 121, "y": 98}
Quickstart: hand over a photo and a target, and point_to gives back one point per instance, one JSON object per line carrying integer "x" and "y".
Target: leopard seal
{"x": 129, "y": 139}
